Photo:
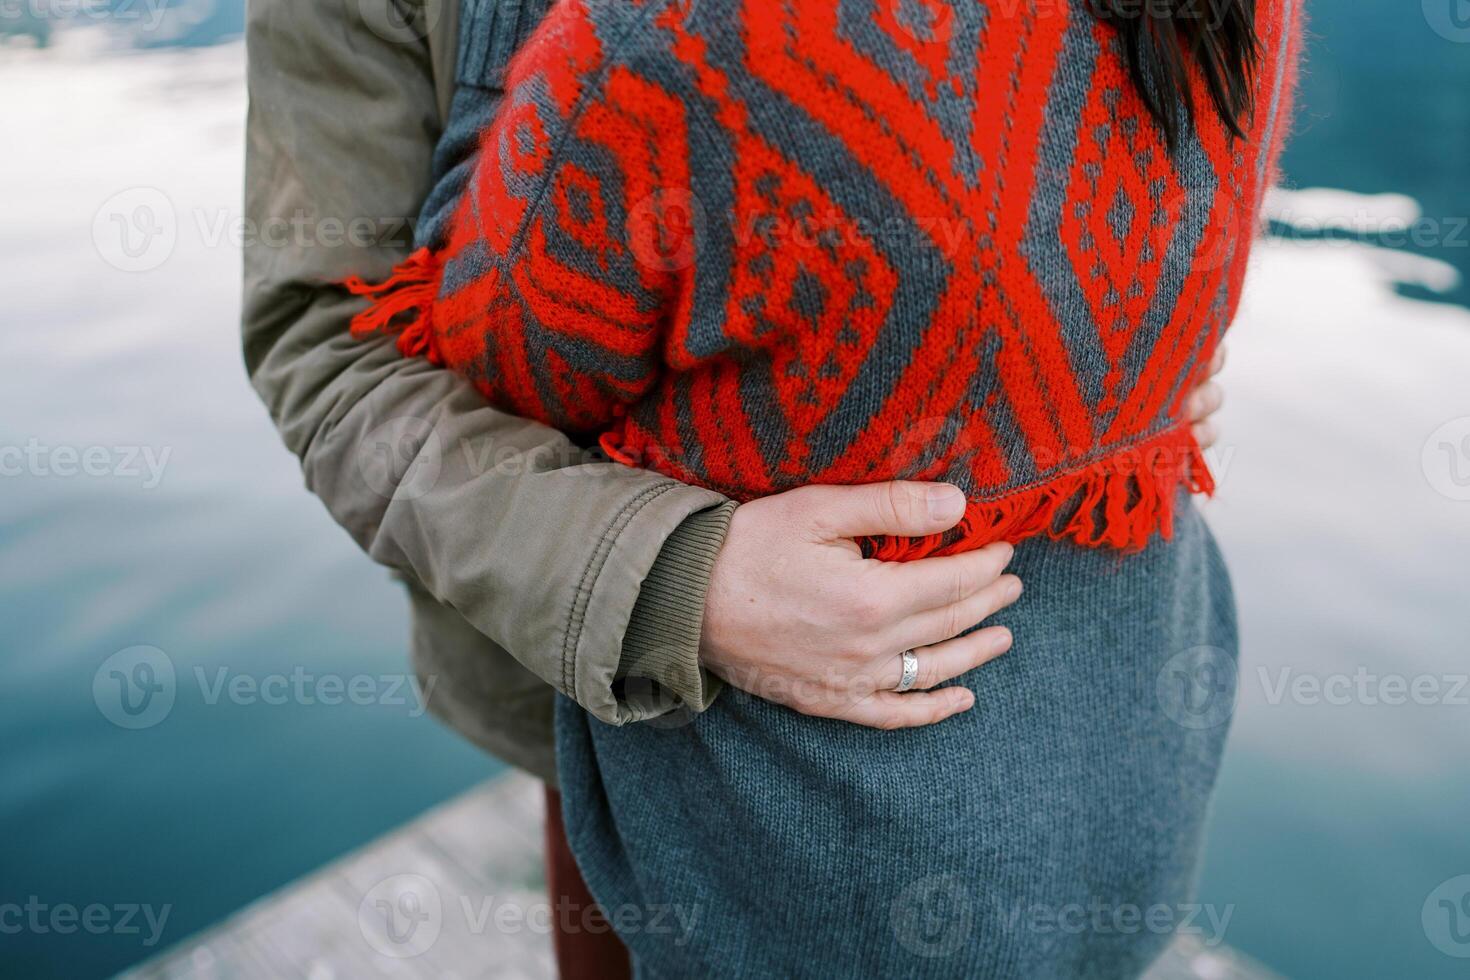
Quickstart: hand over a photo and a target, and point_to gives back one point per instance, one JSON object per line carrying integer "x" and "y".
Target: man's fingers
{"x": 937, "y": 625}
{"x": 1206, "y": 433}
{"x": 889, "y": 710}
{"x": 899, "y": 508}
{"x": 1217, "y": 362}
{"x": 1205, "y": 401}
{"x": 931, "y": 583}
{"x": 948, "y": 660}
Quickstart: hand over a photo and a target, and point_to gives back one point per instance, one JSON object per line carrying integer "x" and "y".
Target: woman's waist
{"x": 1113, "y": 494}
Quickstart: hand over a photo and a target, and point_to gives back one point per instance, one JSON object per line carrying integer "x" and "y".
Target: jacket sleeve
{"x": 588, "y": 572}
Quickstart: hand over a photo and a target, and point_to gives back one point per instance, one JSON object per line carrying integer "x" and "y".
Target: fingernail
{"x": 1007, "y": 552}
{"x": 1013, "y": 591}
{"x": 1003, "y": 640}
{"x": 946, "y": 503}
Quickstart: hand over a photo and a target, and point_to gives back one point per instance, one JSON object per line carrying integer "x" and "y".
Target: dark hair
{"x": 1161, "y": 37}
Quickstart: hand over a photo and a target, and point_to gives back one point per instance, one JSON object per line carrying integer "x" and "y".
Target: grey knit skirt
{"x": 1052, "y": 831}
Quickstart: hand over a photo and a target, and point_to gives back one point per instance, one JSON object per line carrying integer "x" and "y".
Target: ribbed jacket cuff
{"x": 662, "y": 640}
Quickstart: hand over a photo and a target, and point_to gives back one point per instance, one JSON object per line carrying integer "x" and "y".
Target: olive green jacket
{"x": 531, "y": 564}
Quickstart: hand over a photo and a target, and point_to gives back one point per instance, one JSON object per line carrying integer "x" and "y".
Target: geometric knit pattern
{"x": 759, "y": 244}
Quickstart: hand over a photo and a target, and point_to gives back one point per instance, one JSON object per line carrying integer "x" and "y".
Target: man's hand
{"x": 796, "y": 615}
{"x": 1205, "y": 401}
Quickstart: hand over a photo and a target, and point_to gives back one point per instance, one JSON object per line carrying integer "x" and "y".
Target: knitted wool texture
{"x": 756, "y": 245}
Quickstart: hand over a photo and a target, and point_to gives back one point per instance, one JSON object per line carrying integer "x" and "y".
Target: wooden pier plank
{"x": 477, "y": 854}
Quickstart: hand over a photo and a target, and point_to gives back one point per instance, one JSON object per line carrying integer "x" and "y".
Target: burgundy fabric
{"x": 585, "y": 945}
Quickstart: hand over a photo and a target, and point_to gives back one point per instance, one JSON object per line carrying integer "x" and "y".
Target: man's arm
{"x": 586, "y": 571}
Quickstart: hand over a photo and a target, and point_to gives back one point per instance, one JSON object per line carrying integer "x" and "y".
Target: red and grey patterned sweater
{"x": 758, "y": 244}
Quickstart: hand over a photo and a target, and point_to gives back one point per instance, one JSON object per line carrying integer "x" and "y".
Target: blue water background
{"x": 229, "y": 563}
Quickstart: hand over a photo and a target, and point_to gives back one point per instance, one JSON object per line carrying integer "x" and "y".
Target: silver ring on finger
{"x": 910, "y": 672}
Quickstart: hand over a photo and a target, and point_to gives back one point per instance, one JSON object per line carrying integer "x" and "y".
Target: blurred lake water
{"x": 157, "y": 529}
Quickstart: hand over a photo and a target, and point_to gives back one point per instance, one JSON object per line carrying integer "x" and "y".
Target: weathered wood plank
{"x": 453, "y": 894}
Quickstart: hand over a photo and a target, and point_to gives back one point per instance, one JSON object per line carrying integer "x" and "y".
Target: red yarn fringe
{"x": 1117, "y": 503}
{"x": 411, "y": 288}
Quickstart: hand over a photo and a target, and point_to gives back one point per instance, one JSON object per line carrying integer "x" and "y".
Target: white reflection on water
{"x": 1333, "y": 821}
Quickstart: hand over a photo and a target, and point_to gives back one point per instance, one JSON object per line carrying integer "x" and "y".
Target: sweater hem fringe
{"x": 410, "y": 289}
{"x": 1117, "y": 502}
